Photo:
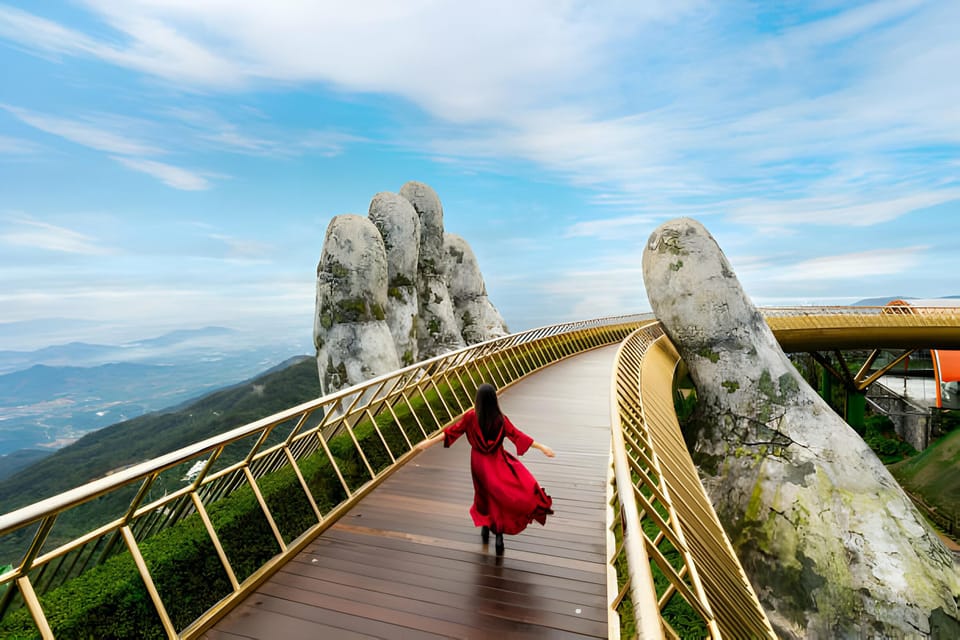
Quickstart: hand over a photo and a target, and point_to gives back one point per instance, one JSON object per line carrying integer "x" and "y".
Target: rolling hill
{"x": 154, "y": 434}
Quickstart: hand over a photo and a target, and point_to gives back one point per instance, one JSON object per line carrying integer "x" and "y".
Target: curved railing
{"x": 239, "y": 505}
{"x": 803, "y": 328}
{"x": 670, "y": 550}
{"x": 673, "y": 559}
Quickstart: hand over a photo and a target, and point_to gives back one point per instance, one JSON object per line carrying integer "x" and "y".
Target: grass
{"x": 934, "y": 475}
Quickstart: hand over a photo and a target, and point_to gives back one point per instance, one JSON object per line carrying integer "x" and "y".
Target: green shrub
{"x": 883, "y": 439}
{"x": 946, "y": 420}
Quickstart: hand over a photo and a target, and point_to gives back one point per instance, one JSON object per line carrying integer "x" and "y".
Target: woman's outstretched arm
{"x": 423, "y": 445}
{"x": 547, "y": 451}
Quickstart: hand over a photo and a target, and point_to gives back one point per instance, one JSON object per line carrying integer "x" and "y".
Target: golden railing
{"x": 804, "y": 328}
{"x": 251, "y": 498}
{"x": 668, "y": 550}
{"x": 673, "y": 559}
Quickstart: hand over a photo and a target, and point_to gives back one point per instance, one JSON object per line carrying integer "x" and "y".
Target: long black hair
{"x": 488, "y": 411}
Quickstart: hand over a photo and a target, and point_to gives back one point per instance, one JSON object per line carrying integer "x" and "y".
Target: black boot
{"x": 485, "y": 534}
{"x": 499, "y": 544}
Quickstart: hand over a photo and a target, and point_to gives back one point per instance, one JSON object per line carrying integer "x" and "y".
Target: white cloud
{"x": 83, "y": 133}
{"x": 612, "y": 227}
{"x": 848, "y": 24}
{"x": 457, "y": 60}
{"x": 95, "y": 133}
{"x": 17, "y": 146}
{"x": 662, "y": 103}
{"x": 43, "y": 35}
{"x": 34, "y": 234}
{"x": 853, "y": 266}
{"x": 662, "y": 109}
{"x": 170, "y": 175}
{"x": 243, "y": 249}
{"x": 835, "y": 210}
{"x": 254, "y": 134}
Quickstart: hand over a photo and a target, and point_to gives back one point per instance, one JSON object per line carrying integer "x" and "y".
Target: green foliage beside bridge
{"x": 110, "y": 600}
{"x": 126, "y": 443}
{"x": 933, "y": 479}
{"x": 881, "y": 436}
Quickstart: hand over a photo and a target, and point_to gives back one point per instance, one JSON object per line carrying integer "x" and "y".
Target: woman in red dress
{"x": 506, "y": 496}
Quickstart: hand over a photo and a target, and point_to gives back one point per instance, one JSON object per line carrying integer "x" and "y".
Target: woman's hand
{"x": 547, "y": 451}
{"x": 423, "y": 445}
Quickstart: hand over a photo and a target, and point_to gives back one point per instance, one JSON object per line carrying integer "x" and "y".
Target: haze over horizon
{"x": 168, "y": 165}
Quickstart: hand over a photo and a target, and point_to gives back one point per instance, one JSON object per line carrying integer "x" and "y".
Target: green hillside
{"x": 154, "y": 434}
{"x": 934, "y": 475}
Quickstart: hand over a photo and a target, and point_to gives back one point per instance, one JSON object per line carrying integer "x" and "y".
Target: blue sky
{"x": 174, "y": 163}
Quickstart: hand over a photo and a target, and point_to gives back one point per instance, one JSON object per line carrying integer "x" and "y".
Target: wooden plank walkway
{"x": 407, "y": 561}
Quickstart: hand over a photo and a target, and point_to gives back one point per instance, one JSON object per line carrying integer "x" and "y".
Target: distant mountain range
{"x": 880, "y": 302}
{"x": 285, "y": 385}
{"x": 83, "y": 354}
{"x": 49, "y": 397}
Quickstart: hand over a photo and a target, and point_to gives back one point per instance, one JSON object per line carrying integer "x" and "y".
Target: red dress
{"x": 506, "y": 496}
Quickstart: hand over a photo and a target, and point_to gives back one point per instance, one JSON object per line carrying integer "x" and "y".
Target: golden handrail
{"x": 379, "y": 421}
{"x": 667, "y": 523}
{"x": 376, "y": 422}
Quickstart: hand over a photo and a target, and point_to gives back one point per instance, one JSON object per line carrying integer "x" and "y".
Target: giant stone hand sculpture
{"x": 832, "y": 545}
{"x": 394, "y": 289}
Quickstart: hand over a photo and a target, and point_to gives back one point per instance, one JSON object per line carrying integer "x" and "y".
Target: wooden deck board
{"x": 407, "y": 562}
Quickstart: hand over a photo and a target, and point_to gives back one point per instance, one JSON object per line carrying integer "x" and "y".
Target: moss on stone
{"x": 730, "y": 385}
{"x": 766, "y": 387}
{"x": 788, "y": 385}
{"x": 400, "y": 280}
{"x": 753, "y": 504}
{"x": 336, "y": 269}
{"x": 456, "y": 254}
{"x": 670, "y": 243}
{"x": 676, "y": 266}
{"x": 351, "y": 310}
{"x": 709, "y": 354}
{"x": 768, "y": 548}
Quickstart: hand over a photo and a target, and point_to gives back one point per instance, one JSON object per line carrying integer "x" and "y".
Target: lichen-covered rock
{"x": 437, "y": 328}
{"x": 832, "y": 545}
{"x": 478, "y": 319}
{"x": 350, "y": 330}
{"x": 387, "y": 276}
{"x": 399, "y": 226}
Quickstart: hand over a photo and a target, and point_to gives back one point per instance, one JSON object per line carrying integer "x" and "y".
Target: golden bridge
{"x": 321, "y": 521}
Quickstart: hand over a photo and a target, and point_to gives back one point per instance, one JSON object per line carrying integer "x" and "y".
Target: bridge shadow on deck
{"x": 407, "y": 562}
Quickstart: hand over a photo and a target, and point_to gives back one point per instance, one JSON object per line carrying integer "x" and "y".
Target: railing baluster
{"x": 33, "y": 604}
{"x": 144, "y": 571}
